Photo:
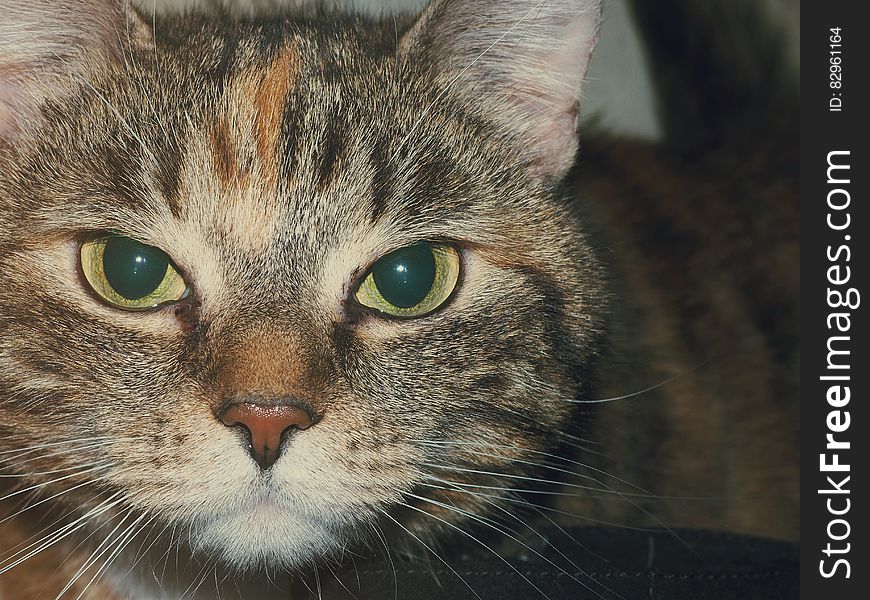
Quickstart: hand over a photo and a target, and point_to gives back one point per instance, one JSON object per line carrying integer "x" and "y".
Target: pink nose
{"x": 266, "y": 425}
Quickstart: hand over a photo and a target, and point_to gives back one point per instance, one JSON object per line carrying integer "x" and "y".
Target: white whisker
{"x": 52, "y": 481}
{"x": 62, "y": 533}
{"x": 474, "y": 539}
{"x": 125, "y": 538}
{"x": 435, "y": 554}
{"x": 643, "y": 391}
{"x": 48, "y": 499}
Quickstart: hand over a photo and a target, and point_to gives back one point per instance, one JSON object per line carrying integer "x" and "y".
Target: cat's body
{"x": 699, "y": 314}
{"x": 275, "y": 161}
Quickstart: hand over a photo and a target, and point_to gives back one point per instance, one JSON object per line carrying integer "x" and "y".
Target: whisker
{"x": 435, "y": 554}
{"x": 645, "y": 390}
{"x": 62, "y": 533}
{"x": 497, "y": 488}
{"x": 317, "y": 583}
{"x": 41, "y": 457}
{"x": 606, "y": 490}
{"x": 579, "y": 569}
{"x": 544, "y": 465}
{"x": 491, "y": 524}
{"x": 35, "y": 536}
{"x": 45, "y": 483}
{"x": 196, "y": 583}
{"x": 84, "y": 541}
{"x": 340, "y": 582}
{"x": 55, "y": 444}
{"x": 473, "y": 538}
{"x": 140, "y": 553}
{"x": 57, "y": 495}
{"x": 625, "y": 496}
{"x": 95, "y": 555}
{"x": 538, "y": 510}
{"x": 383, "y": 539}
{"x": 128, "y": 536}
{"x": 526, "y": 503}
{"x": 168, "y": 553}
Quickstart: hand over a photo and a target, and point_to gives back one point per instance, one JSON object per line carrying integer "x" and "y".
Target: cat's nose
{"x": 266, "y": 424}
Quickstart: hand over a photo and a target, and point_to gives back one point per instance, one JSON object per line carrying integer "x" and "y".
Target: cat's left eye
{"x": 129, "y": 274}
{"x": 412, "y": 281}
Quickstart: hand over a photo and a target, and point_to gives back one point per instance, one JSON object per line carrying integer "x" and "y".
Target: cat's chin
{"x": 266, "y": 537}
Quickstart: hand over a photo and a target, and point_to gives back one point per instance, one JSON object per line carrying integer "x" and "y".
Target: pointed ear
{"x": 522, "y": 61}
{"x": 46, "y": 44}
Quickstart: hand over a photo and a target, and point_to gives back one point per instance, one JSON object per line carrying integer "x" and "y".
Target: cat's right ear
{"x": 48, "y": 46}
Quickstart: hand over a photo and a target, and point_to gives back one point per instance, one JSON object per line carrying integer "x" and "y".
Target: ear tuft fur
{"x": 522, "y": 61}
{"x": 45, "y": 44}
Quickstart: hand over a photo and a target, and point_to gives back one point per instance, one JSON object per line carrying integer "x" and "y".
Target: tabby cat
{"x": 279, "y": 287}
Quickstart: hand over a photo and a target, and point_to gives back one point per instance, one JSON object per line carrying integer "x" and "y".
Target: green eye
{"x": 411, "y": 281}
{"x": 129, "y": 274}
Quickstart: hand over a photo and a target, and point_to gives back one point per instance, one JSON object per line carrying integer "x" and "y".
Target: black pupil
{"x": 405, "y": 276}
{"x": 133, "y": 269}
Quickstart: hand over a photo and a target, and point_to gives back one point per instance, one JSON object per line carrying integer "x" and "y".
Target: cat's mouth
{"x": 266, "y": 505}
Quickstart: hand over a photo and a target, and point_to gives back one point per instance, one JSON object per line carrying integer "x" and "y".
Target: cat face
{"x": 275, "y": 163}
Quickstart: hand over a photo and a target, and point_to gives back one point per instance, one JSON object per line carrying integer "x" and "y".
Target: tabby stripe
{"x": 556, "y": 332}
{"x": 226, "y": 61}
{"x": 427, "y": 181}
{"x": 123, "y": 180}
{"x": 168, "y": 173}
{"x": 291, "y": 124}
{"x": 269, "y": 100}
{"x": 223, "y": 152}
{"x": 332, "y": 147}
{"x": 382, "y": 179}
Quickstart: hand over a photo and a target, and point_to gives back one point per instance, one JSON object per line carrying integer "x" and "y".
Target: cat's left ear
{"x": 520, "y": 61}
{"x": 48, "y": 46}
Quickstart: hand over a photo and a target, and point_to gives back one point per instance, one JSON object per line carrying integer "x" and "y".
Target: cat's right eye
{"x": 129, "y": 274}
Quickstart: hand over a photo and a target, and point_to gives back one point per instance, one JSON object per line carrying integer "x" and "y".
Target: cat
{"x": 274, "y": 285}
